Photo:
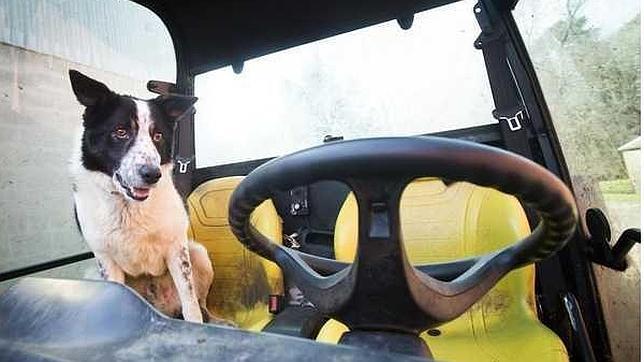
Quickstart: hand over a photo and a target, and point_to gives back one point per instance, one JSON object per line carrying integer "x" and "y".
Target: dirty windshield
{"x": 587, "y": 56}
{"x": 377, "y": 81}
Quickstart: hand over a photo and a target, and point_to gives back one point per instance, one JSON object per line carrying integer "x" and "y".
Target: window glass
{"x": 118, "y": 42}
{"x": 85, "y": 269}
{"x": 587, "y": 56}
{"x": 377, "y": 81}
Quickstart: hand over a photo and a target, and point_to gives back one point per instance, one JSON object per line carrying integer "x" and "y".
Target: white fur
{"x": 133, "y": 233}
{"x": 136, "y": 237}
{"x": 142, "y": 151}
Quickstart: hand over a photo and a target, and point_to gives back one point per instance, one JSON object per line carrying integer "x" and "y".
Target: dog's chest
{"x": 140, "y": 248}
{"x": 137, "y": 238}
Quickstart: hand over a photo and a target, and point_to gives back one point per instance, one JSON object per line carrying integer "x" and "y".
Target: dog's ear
{"x": 88, "y": 91}
{"x": 175, "y": 105}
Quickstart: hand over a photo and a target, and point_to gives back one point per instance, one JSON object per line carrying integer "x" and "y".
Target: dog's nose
{"x": 150, "y": 174}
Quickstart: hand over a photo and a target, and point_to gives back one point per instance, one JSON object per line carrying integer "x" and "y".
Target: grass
{"x": 622, "y": 197}
{"x": 624, "y": 186}
{"x": 618, "y": 190}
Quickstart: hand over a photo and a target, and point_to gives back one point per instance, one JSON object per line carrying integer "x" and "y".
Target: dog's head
{"x": 126, "y": 138}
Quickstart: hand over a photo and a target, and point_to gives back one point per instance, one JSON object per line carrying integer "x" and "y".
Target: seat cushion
{"x": 243, "y": 281}
{"x": 441, "y": 223}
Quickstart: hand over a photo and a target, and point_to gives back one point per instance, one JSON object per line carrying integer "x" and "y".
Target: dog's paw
{"x": 211, "y": 319}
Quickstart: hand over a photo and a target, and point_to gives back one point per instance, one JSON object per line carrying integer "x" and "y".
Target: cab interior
{"x": 439, "y": 223}
{"x": 546, "y": 312}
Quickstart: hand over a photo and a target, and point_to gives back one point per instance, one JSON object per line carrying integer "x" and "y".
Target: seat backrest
{"x": 243, "y": 280}
{"x": 440, "y": 224}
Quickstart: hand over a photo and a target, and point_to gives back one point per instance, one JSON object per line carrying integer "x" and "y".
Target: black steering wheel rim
{"x": 403, "y": 159}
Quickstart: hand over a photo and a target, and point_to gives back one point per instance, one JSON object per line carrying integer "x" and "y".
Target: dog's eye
{"x": 157, "y": 137}
{"x": 121, "y": 133}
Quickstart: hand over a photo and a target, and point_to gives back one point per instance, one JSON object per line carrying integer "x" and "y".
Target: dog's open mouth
{"x": 135, "y": 193}
{"x": 138, "y": 193}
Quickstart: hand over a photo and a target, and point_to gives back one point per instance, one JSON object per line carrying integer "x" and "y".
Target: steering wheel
{"x": 381, "y": 290}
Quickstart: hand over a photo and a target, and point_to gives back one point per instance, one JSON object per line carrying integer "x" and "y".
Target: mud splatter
{"x": 186, "y": 268}
{"x": 101, "y": 269}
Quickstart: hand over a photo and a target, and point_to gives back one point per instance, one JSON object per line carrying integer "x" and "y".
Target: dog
{"x": 127, "y": 207}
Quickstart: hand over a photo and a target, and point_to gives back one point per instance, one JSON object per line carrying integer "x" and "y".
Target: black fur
{"x": 102, "y": 150}
{"x": 106, "y": 111}
{"x": 164, "y": 124}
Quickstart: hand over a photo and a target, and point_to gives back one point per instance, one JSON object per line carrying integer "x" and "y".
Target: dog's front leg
{"x": 180, "y": 268}
{"x": 108, "y": 269}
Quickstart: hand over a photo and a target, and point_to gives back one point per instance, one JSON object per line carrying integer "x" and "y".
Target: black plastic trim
{"x": 40, "y": 267}
{"x": 579, "y": 333}
{"x": 202, "y": 175}
{"x": 488, "y": 134}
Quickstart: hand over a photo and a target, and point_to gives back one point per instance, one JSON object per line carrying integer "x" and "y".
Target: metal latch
{"x": 183, "y": 164}
{"x": 514, "y": 122}
{"x": 291, "y": 241}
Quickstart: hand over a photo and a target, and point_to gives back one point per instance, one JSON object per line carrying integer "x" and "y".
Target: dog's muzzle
{"x": 137, "y": 193}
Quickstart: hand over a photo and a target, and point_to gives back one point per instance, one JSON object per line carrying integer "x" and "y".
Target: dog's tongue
{"x": 140, "y": 193}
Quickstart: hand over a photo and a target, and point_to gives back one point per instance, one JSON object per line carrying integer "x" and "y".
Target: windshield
{"x": 587, "y": 56}
{"x": 378, "y": 81}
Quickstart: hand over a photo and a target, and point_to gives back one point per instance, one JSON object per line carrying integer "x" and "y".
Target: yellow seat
{"x": 243, "y": 280}
{"x": 442, "y": 223}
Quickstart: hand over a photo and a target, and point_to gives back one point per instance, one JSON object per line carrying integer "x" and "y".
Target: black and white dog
{"x": 127, "y": 207}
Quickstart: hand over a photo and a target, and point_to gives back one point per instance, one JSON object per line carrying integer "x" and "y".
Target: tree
{"x": 593, "y": 90}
